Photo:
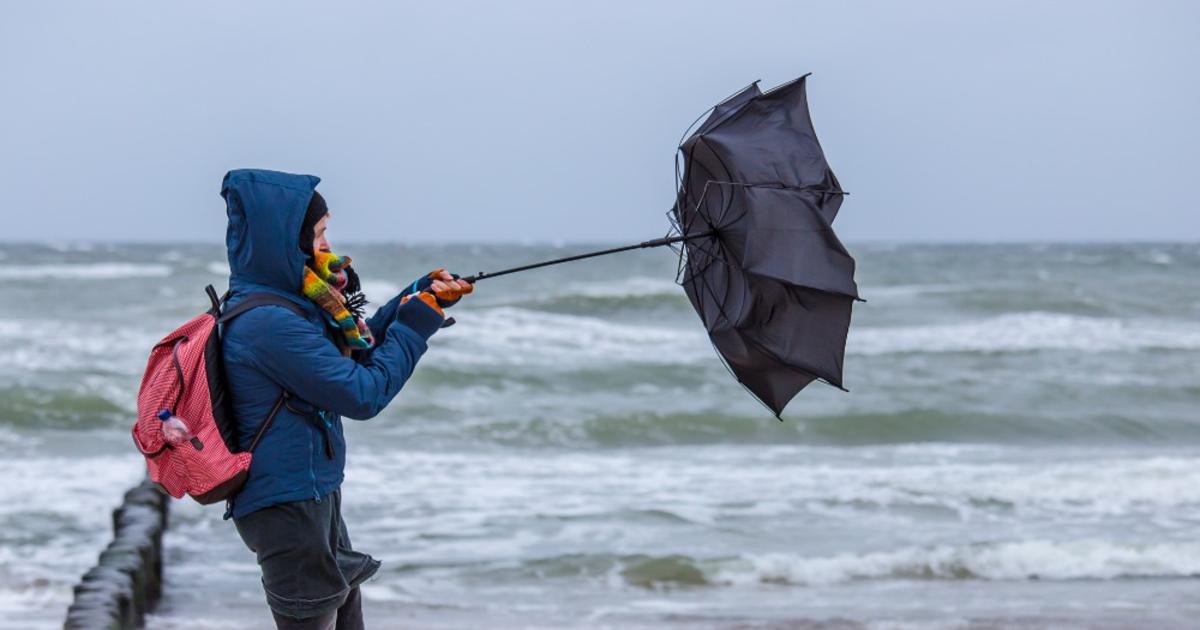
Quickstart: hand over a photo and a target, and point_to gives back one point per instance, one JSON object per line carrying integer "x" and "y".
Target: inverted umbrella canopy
{"x": 759, "y": 259}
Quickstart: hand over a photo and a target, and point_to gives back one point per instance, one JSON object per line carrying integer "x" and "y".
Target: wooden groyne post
{"x": 126, "y": 581}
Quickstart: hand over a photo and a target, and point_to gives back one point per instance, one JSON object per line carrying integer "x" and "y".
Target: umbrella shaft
{"x": 658, "y": 242}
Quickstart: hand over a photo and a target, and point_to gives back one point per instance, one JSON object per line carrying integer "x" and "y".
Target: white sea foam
{"x": 89, "y": 271}
{"x": 1157, "y": 257}
{"x": 75, "y": 346}
{"x": 1023, "y": 560}
{"x": 72, "y": 246}
{"x": 62, "y": 506}
{"x": 219, "y": 268}
{"x": 633, "y": 286}
{"x": 904, "y": 291}
{"x": 510, "y": 335}
{"x": 1044, "y": 519}
{"x": 1093, "y": 487}
{"x": 1023, "y": 332}
{"x": 788, "y": 482}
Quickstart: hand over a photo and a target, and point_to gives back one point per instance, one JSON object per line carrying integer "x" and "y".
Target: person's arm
{"x": 385, "y": 315}
{"x": 297, "y": 356}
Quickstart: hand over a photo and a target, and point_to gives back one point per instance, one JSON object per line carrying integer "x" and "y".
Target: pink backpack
{"x": 185, "y": 378}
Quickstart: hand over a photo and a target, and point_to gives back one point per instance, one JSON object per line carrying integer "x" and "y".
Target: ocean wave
{"x": 1042, "y": 560}
{"x": 1023, "y": 560}
{"x": 509, "y": 410}
{"x": 84, "y": 347}
{"x": 76, "y": 408}
{"x": 1118, "y": 488}
{"x": 55, "y": 514}
{"x": 1026, "y": 332}
{"x": 633, "y": 286}
{"x": 914, "y": 487}
{"x": 648, "y": 297}
{"x": 518, "y": 336}
{"x": 89, "y": 271}
{"x": 526, "y": 334}
{"x": 72, "y": 246}
{"x": 1156, "y": 257}
{"x": 883, "y": 293}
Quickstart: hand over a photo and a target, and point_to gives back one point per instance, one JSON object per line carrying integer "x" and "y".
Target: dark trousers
{"x": 310, "y": 571}
{"x": 347, "y": 617}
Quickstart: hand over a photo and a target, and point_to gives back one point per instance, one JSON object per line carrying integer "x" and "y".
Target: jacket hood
{"x": 266, "y": 209}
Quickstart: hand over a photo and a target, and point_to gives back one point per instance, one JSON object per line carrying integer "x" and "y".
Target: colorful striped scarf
{"x": 325, "y": 278}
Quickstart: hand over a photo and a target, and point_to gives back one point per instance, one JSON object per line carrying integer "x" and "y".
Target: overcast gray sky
{"x": 558, "y": 120}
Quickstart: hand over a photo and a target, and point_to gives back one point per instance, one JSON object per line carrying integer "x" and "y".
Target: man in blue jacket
{"x": 324, "y": 365}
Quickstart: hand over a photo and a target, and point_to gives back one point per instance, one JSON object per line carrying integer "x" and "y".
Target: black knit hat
{"x": 316, "y": 210}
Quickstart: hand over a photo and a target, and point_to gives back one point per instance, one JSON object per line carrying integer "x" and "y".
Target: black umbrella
{"x": 763, "y": 268}
{"x": 758, "y": 257}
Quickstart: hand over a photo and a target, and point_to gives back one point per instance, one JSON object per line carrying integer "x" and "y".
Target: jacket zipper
{"x": 312, "y": 466}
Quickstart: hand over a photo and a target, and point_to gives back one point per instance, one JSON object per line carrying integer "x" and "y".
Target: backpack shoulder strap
{"x": 255, "y": 300}
{"x": 281, "y": 401}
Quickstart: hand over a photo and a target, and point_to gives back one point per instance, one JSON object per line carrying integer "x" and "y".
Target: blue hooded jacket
{"x": 270, "y": 349}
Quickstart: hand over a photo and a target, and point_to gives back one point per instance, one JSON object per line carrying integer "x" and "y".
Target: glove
{"x": 428, "y": 298}
{"x": 446, "y": 297}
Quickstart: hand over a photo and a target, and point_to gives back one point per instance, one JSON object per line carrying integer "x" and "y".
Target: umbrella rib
{"x": 703, "y": 198}
{"x": 696, "y": 213}
{"x": 692, "y": 162}
{"x": 725, "y": 167}
{"x": 713, "y": 257}
{"x": 720, "y": 303}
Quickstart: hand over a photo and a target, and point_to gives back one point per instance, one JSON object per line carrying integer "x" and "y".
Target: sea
{"x": 1019, "y": 446}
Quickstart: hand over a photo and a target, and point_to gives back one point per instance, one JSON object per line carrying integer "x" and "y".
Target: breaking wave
{"x": 1023, "y": 560}
{"x": 1027, "y": 332}
{"x": 991, "y": 561}
{"x": 88, "y": 271}
{"x": 509, "y": 335}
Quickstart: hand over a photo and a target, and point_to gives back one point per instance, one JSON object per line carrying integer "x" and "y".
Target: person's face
{"x": 320, "y": 243}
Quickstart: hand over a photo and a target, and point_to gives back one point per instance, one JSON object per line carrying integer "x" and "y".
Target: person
{"x": 329, "y": 364}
